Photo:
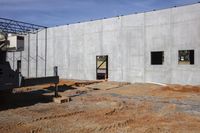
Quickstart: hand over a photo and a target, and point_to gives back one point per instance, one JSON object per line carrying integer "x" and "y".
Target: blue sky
{"x": 60, "y": 12}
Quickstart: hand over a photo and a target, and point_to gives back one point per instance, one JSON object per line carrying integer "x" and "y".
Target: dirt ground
{"x": 102, "y": 107}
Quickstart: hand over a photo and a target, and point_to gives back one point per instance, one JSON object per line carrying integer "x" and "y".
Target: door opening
{"x": 102, "y": 67}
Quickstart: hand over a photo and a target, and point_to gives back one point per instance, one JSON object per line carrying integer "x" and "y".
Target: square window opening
{"x": 157, "y": 58}
{"x": 186, "y": 57}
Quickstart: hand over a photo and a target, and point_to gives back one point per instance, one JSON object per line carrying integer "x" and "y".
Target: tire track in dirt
{"x": 157, "y": 130}
{"x": 39, "y": 129}
{"x": 36, "y": 130}
{"x": 57, "y": 116}
{"x": 9, "y": 127}
{"x": 116, "y": 125}
{"x": 110, "y": 112}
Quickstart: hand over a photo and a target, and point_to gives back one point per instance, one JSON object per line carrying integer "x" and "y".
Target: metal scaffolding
{"x": 18, "y": 27}
{"x": 25, "y": 29}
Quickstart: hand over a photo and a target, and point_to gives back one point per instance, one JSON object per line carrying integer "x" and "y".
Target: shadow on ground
{"x": 24, "y": 99}
{"x": 61, "y": 88}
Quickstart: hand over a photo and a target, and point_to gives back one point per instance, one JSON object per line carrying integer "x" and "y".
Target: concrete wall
{"x": 128, "y": 42}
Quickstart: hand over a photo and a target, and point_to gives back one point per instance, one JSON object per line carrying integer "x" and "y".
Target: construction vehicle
{"x": 10, "y": 79}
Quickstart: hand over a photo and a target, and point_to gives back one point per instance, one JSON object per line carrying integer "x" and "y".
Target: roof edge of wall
{"x": 86, "y": 21}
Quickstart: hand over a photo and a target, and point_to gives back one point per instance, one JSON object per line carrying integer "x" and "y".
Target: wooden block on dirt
{"x": 61, "y": 99}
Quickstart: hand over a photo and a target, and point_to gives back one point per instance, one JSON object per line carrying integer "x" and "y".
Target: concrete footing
{"x": 62, "y": 99}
